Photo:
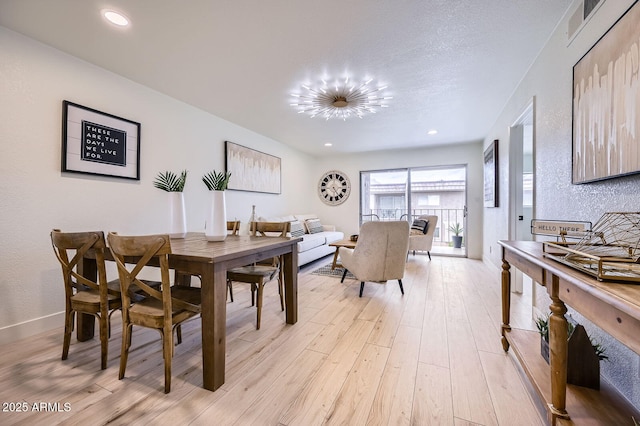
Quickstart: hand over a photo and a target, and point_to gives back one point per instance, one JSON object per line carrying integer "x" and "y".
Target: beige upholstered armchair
{"x": 421, "y": 241}
{"x": 380, "y": 254}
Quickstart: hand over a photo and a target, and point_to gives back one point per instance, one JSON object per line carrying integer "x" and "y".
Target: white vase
{"x": 216, "y": 221}
{"x": 177, "y": 215}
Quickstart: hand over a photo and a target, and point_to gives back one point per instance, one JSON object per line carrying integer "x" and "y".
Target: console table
{"x": 614, "y": 307}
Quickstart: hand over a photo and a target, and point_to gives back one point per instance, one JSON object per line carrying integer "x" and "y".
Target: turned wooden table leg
{"x": 558, "y": 336}
{"x": 506, "y": 302}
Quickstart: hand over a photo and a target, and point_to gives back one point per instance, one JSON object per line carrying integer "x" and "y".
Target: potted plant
{"x": 216, "y": 221}
{"x": 457, "y": 238}
{"x": 542, "y": 324}
{"x": 583, "y": 353}
{"x": 173, "y": 184}
{"x": 216, "y": 181}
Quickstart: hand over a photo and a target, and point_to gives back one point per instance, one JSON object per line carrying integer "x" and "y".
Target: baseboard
{"x": 15, "y": 332}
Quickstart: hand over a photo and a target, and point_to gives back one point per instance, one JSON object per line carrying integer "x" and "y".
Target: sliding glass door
{"x": 405, "y": 194}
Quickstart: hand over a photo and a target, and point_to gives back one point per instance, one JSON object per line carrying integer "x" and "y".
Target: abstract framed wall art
{"x": 252, "y": 170}
{"x": 98, "y": 143}
{"x": 606, "y": 104}
{"x": 491, "y": 175}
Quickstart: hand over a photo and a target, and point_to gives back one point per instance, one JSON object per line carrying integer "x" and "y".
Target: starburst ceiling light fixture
{"x": 342, "y": 98}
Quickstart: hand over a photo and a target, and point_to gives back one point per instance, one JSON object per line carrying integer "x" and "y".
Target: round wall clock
{"x": 334, "y": 188}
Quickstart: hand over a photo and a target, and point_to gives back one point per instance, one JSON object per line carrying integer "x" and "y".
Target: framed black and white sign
{"x": 98, "y": 143}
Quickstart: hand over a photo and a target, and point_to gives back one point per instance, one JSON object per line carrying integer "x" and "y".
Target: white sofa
{"x": 313, "y": 245}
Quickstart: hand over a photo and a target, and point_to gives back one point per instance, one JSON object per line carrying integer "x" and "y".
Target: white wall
{"x": 549, "y": 80}
{"x": 36, "y": 197}
{"x": 346, "y": 215}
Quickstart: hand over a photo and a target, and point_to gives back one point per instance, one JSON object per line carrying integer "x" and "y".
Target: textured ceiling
{"x": 450, "y": 65}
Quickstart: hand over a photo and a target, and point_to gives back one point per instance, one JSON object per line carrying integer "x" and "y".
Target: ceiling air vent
{"x": 589, "y": 6}
{"x": 584, "y": 10}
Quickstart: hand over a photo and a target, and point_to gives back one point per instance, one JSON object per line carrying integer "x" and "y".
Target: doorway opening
{"x": 522, "y": 185}
{"x": 405, "y": 194}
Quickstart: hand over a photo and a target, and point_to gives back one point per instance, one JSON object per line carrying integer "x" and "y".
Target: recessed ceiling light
{"x": 432, "y": 132}
{"x": 328, "y": 144}
{"x": 115, "y": 18}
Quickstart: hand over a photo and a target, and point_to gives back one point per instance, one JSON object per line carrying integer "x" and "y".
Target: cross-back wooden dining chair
{"x": 162, "y": 310}
{"x": 82, "y": 295}
{"x": 260, "y": 273}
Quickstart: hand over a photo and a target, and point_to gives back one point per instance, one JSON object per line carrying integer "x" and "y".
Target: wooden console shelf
{"x": 615, "y": 307}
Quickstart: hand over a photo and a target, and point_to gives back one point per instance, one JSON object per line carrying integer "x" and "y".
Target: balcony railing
{"x": 446, "y": 218}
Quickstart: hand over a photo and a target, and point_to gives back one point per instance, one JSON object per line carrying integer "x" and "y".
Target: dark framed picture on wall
{"x": 606, "y": 101}
{"x": 491, "y": 175}
{"x": 98, "y": 143}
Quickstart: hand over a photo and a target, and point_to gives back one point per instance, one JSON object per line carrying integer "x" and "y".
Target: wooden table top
{"x": 343, "y": 243}
{"x": 195, "y": 245}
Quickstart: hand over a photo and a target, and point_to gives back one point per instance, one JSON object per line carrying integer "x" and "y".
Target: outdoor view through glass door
{"x": 405, "y": 194}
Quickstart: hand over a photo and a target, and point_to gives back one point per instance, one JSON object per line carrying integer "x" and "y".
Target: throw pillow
{"x": 314, "y": 226}
{"x": 296, "y": 228}
{"x": 304, "y": 218}
{"x": 420, "y": 225}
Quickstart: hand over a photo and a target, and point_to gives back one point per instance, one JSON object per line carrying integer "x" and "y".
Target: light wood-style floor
{"x": 431, "y": 357}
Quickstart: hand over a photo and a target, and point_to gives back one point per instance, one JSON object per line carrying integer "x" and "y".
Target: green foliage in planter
{"x": 170, "y": 182}
{"x": 216, "y": 181}
{"x": 600, "y": 350}
{"x": 456, "y": 229}
{"x": 542, "y": 323}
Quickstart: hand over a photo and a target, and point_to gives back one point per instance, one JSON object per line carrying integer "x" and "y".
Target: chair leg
{"x": 281, "y": 292}
{"x": 179, "y": 333}
{"x": 259, "y": 303}
{"x": 361, "y": 288}
{"x": 253, "y": 294}
{"x": 124, "y": 353}
{"x": 281, "y": 284}
{"x": 167, "y": 354}
{"x": 68, "y": 328}
{"x": 230, "y": 287}
{"x": 344, "y": 274}
{"x": 400, "y": 284}
{"x": 104, "y": 340}
{"x": 429, "y": 254}
{"x": 109, "y": 321}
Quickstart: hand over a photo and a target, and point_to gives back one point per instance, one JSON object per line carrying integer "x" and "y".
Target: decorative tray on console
{"x": 610, "y": 251}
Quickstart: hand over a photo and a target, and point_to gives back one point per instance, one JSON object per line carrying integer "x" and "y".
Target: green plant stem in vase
{"x": 170, "y": 182}
{"x": 216, "y": 181}
{"x": 173, "y": 184}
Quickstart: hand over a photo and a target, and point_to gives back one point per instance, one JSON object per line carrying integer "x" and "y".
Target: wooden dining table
{"x": 210, "y": 260}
